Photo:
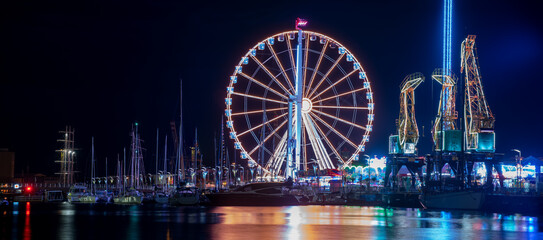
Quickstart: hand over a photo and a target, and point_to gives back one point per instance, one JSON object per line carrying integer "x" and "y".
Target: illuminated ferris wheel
{"x": 299, "y": 70}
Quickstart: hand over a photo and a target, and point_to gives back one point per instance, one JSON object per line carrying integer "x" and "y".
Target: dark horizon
{"x": 100, "y": 67}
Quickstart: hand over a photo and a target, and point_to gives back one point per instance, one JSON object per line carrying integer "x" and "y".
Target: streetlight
{"x": 204, "y": 176}
{"x": 242, "y": 173}
{"x": 252, "y": 169}
{"x": 234, "y": 170}
{"x": 219, "y": 180}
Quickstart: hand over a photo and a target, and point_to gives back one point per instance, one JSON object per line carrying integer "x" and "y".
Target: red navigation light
{"x": 28, "y": 189}
{"x": 300, "y": 23}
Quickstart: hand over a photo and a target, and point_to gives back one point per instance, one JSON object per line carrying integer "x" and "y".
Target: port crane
{"x": 478, "y": 119}
{"x": 408, "y": 132}
{"x": 402, "y": 147}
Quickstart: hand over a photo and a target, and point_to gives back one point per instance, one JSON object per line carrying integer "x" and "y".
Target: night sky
{"x": 101, "y": 66}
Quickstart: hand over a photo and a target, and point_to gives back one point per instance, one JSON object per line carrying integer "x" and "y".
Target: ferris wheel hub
{"x": 307, "y": 105}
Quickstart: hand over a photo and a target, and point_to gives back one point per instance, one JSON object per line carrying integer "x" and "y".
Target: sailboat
{"x": 182, "y": 195}
{"x": 133, "y": 196}
{"x": 161, "y": 194}
{"x": 90, "y": 197}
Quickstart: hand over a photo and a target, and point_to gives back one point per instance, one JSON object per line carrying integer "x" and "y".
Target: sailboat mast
{"x": 93, "y": 180}
{"x": 180, "y": 149}
{"x": 106, "y": 174}
{"x": 124, "y": 169}
{"x": 118, "y": 171}
{"x": 165, "y": 153}
{"x": 156, "y": 161}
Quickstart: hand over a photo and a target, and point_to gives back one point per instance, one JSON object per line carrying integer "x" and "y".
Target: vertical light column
{"x": 288, "y": 170}
{"x": 447, "y": 36}
{"x": 299, "y": 93}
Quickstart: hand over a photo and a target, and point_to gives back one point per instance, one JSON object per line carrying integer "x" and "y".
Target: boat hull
{"x": 87, "y": 199}
{"x": 463, "y": 200}
{"x": 128, "y": 200}
{"x": 249, "y": 199}
{"x": 192, "y": 200}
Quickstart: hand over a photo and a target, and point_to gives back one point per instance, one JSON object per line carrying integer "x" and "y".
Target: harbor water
{"x": 25, "y": 220}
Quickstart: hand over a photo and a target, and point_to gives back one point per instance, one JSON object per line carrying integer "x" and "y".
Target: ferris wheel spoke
{"x": 326, "y": 75}
{"x": 334, "y": 130}
{"x": 268, "y": 137}
{"x": 335, "y": 83}
{"x": 340, "y": 107}
{"x": 276, "y": 158}
{"x": 260, "y": 98}
{"x": 291, "y": 54}
{"x": 316, "y": 69}
{"x": 339, "y": 119}
{"x": 270, "y": 74}
{"x": 259, "y": 111}
{"x": 280, "y": 65}
{"x": 305, "y": 147}
{"x": 321, "y": 155}
{"x": 262, "y": 124}
{"x": 264, "y": 86}
{"x": 324, "y": 137}
{"x": 305, "y": 63}
{"x": 339, "y": 95}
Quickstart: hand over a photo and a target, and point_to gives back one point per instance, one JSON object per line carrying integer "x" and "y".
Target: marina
{"x": 372, "y": 124}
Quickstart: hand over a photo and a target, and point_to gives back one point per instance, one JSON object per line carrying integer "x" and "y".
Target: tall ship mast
{"x": 67, "y": 154}
{"x": 136, "y": 162}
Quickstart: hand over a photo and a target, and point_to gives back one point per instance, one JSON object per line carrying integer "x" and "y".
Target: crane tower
{"x": 408, "y": 133}
{"x": 478, "y": 119}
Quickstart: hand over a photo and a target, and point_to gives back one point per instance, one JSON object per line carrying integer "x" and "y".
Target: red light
{"x": 29, "y": 188}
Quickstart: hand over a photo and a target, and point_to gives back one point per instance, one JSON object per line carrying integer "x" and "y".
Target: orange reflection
{"x": 296, "y": 222}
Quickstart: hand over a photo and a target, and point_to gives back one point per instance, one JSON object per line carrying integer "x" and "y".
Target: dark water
{"x": 86, "y": 221}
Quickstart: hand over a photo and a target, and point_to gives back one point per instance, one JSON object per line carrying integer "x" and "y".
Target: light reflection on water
{"x": 75, "y": 221}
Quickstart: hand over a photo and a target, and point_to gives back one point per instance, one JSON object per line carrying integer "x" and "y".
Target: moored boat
{"x": 88, "y": 198}
{"x": 461, "y": 200}
{"x": 131, "y": 197}
{"x": 256, "y": 194}
{"x": 76, "y": 192}
{"x": 185, "y": 196}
